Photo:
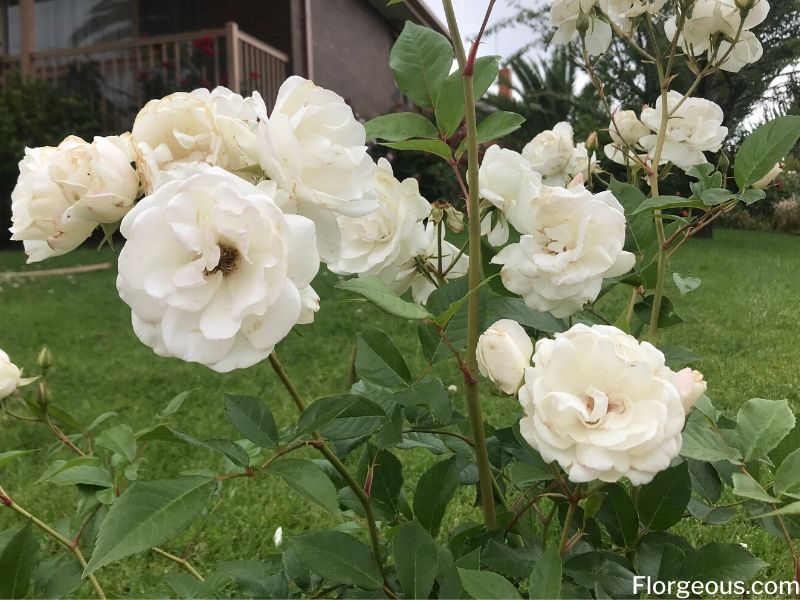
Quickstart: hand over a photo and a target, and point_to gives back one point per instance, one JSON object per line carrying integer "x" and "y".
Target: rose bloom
{"x": 404, "y": 276}
{"x": 690, "y": 385}
{"x": 63, "y": 193}
{"x": 217, "y": 127}
{"x": 10, "y": 376}
{"x": 694, "y": 128}
{"x": 564, "y": 16}
{"x": 603, "y": 405}
{"x": 622, "y": 11}
{"x": 712, "y": 19}
{"x": 504, "y": 351}
{"x": 392, "y": 234}
{"x": 315, "y": 149}
{"x": 626, "y": 130}
{"x": 213, "y": 271}
{"x": 550, "y": 153}
{"x": 576, "y": 242}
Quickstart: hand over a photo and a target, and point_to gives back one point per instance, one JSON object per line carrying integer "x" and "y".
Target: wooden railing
{"x": 130, "y": 72}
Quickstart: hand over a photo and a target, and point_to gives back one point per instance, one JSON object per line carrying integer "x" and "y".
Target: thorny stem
{"x": 69, "y": 545}
{"x": 340, "y": 468}
{"x": 474, "y": 275}
{"x": 184, "y": 563}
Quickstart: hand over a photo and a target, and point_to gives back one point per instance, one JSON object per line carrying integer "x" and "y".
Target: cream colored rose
{"x": 391, "y": 234}
{"x": 504, "y": 351}
{"x": 626, "y": 130}
{"x": 576, "y": 241}
{"x": 10, "y": 376}
{"x": 63, "y": 193}
{"x": 694, "y": 127}
{"x": 550, "y": 153}
{"x": 690, "y": 385}
{"x": 213, "y": 271}
{"x": 564, "y": 15}
{"x": 217, "y": 127}
{"x": 314, "y": 148}
{"x": 603, "y": 405}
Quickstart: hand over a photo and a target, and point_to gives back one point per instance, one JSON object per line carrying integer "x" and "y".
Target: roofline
{"x": 425, "y": 16}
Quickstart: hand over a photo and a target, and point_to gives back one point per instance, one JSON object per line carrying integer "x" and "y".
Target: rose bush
{"x": 614, "y": 439}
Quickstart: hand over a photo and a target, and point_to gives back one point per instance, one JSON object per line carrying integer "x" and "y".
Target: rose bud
{"x": 504, "y": 350}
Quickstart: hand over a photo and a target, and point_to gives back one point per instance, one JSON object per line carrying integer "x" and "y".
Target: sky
{"x": 470, "y": 15}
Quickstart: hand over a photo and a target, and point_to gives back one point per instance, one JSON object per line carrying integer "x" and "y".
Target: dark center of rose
{"x": 228, "y": 260}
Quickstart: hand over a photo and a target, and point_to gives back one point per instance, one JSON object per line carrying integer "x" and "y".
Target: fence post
{"x": 232, "y": 52}
{"x": 27, "y": 12}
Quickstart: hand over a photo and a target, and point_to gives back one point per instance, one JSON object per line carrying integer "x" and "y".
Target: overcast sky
{"x": 470, "y": 15}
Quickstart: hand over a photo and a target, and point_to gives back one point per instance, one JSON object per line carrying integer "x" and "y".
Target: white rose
{"x": 690, "y": 385}
{"x": 10, "y": 376}
{"x": 391, "y": 234}
{"x": 63, "y": 193}
{"x": 213, "y": 271}
{"x": 315, "y": 149}
{"x": 403, "y": 276}
{"x": 564, "y": 16}
{"x": 694, "y": 128}
{"x": 769, "y": 177}
{"x": 504, "y": 351}
{"x": 712, "y": 19}
{"x": 622, "y": 11}
{"x": 579, "y": 162}
{"x": 747, "y": 50}
{"x": 550, "y": 153}
{"x": 577, "y": 241}
{"x": 626, "y": 130}
{"x": 602, "y": 404}
{"x": 217, "y": 127}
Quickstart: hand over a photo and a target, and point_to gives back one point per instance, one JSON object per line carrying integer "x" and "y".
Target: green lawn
{"x": 744, "y": 319}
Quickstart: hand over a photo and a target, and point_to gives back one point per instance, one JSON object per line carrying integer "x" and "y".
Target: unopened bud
{"x": 45, "y": 358}
{"x": 723, "y": 163}
{"x": 43, "y": 395}
{"x": 452, "y": 390}
{"x": 745, "y": 6}
{"x": 591, "y": 142}
{"x": 455, "y": 219}
{"x": 438, "y": 208}
{"x": 582, "y": 24}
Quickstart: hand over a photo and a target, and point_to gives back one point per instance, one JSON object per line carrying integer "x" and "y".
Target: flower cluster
{"x": 236, "y": 210}
{"x": 691, "y": 126}
{"x": 596, "y": 400}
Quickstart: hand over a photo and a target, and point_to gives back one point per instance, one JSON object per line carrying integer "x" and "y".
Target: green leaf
{"x": 641, "y": 236}
{"x": 420, "y": 60}
{"x": 752, "y": 195}
{"x": 662, "y": 502}
{"x": 397, "y": 127}
{"x": 173, "y": 405}
{"x": 761, "y": 425}
{"x": 255, "y": 578}
{"x": 662, "y": 561}
{"x": 146, "y": 515}
{"x": 251, "y": 417}
{"x": 789, "y": 509}
{"x": 308, "y": 480}
{"x": 678, "y": 356}
{"x": 715, "y": 196}
{"x": 416, "y": 559}
{"x": 378, "y": 360}
{"x": 450, "y": 102}
{"x": 702, "y": 443}
{"x": 375, "y": 289}
{"x": 12, "y": 455}
{"x": 339, "y": 558}
{"x": 17, "y": 563}
{"x": 57, "y": 577}
{"x": 766, "y": 146}
{"x": 436, "y": 147}
{"x": 705, "y": 480}
{"x": 434, "y": 490}
{"x": 744, "y": 485}
{"x": 325, "y": 410}
{"x": 493, "y": 127}
{"x": 618, "y": 514}
{"x": 164, "y": 433}
{"x": 545, "y": 580}
{"x": 665, "y": 202}
{"x": 119, "y": 439}
{"x": 514, "y": 308}
{"x": 667, "y": 316}
{"x": 787, "y": 476}
{"x": 718, "y": 561}
{"x": 83, "y": 470}
{"x": 361, "y": 418}
{"x": 514, "y": 563}
{"x": 487, "y": 585}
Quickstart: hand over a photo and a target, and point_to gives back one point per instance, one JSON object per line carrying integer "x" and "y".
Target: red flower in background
{"x": 204, "y": 44}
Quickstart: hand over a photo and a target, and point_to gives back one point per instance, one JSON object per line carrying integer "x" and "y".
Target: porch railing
{"x": 130, "y": 72}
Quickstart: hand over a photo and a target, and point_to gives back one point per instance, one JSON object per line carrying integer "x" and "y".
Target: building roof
{"x": 410, "y": 10}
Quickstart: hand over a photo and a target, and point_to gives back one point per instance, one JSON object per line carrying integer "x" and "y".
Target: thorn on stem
{"x": 6, "y": 500}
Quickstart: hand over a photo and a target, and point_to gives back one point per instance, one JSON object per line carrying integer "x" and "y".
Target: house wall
{"x": 351, "y": 44}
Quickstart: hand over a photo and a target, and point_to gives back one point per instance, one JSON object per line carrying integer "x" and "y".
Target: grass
{"x": 743, "y": 320}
